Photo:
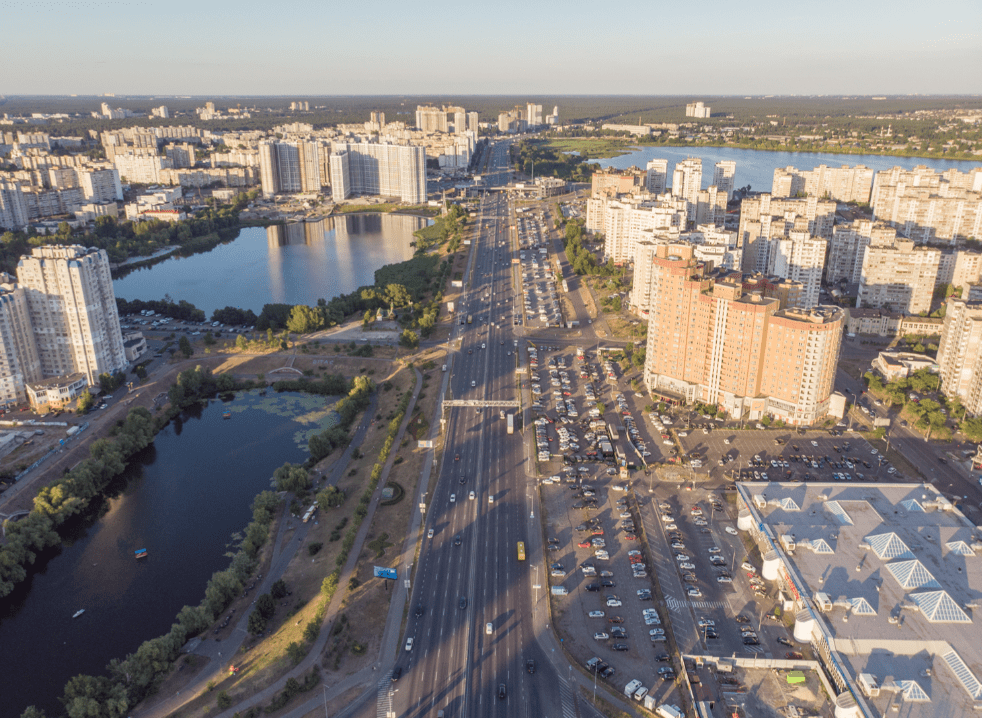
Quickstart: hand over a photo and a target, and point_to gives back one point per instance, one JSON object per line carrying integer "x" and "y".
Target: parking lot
{"x": 785, "y": 455}
{"x": 540, "y": 300}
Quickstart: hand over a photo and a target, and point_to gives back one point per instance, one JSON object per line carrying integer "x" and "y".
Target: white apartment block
{"x": 960, "y": 354}
{"x": 100, "y": 185}
{"x": 72, "y": 311}
{"x": 640, "y": 296}
{"x": 687, "y": 182}
{"x": 843, "y": 184}
{"x": 161, "y": 112}
{"x": 724, "y": 177}
{"x": 140, "y": 168}
{"x": 379, "y": 169}
{"x": 287, "y": 167}
{"x": 898, "y": 276}
{"x": 711, "y": 244}
{"x": 533, "y": 115}
{"x": 959, "y": 268}
{"x": 925, "y": 205}
{"x": 19, "y": 362}
{"x": 181, "y": 155}
{"x": 625, "y": 221}
{"x": 819, "y": 213}
{"x": 801, "y": 258}
{"x": 710, "y": 207}
{"x": 846, "y": 250}
{"x": 656, "y": 176}
{"x": 13, "y": 209}
{"x": 697, "y": 109}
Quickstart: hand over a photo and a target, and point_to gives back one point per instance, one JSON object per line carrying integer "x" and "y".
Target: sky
{"x": 648, "y": 47}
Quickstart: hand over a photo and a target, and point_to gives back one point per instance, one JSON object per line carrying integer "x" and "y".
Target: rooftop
{"x": 894, "y": 575}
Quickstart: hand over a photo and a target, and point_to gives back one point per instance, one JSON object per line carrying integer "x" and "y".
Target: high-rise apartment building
{"x": 927, "y": 206}
{"x": 656, "y": 177}
{"x": 898, "y": 276}
{"x": 379, "y": 169}
{"x": 286, "y": 167}
{"x": 181, "y": 155}
{"x": 72, "y": 311}
{"x": 19, "y": 362}
{"x": 13, "y": 209}
{"x": 100, "y": 185}
{"x": 533, "y": 115}
{"x": 141, "y": 168}
{"x": 625, "y": 220}
{"x": 724, "y": 176}
{"x": 843, "y": 184}
{"x": 960, "y": 353}
{"x": 959, "y": 268}
{"x": 801, "y": 258}
{"x": 820, "y": 214}
{"x": 161, "y": 112}
{"x": 709, "y": 341}
{"x": 687, "y": 182}
{"x": 710, "y": 207}
{"x": 848, "y": 245}
{"x": 697, "y": 109}
{"x": 446, "y": 119}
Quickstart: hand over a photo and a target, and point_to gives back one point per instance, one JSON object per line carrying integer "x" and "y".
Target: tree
{"x": 278, "y": 590}
{"x": 223, "y": 700}
{"x": 304, "y": 320}
{"x": 241, "y": 343}
{"x": 397, "y": 295}
{"x": 972, "y": 428}
{"x": 257, "y": 624}
{"x": 602, "y": 408}
{"x": 185, "y": 346}
{"x": 291, "y": 478}
{"x": 330, "y": 497}
{"x": 409, "y": 339}
{"x": 84, "y": 402}
{"x": 266, "y": 606}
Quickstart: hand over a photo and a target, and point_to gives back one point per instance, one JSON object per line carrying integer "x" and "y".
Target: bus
{"x": 521, "y": 551}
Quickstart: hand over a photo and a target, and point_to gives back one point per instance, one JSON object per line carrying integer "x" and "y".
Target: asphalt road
{"x": 454, "y": 664}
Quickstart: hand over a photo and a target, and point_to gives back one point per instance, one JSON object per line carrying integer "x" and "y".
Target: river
{"x": 756, "y": 167}
{"x": 182, "y": 499}
{"x": 293, "y": 264}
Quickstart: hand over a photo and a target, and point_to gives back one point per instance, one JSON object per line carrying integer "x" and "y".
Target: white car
{"x": 703, "y": 622}
{"x": 682, "y": 558}
{"x": 748, "y": 567}
{"x": 453, "y": 498}
{"x": 600, "y": 636}
{"x": 592, "y": 614}
{"x": 724, "y": 579}
{"x": 602, "y": 555}
{"x": 488, "y": 628}
{"x": 614, "y": 603}
{"x": 687, "y": 566}
{"x": 409, "y": 644}
{"x": 671, "y": 527}
{"x": 471, "y": 496}
{"x": 695, "y": 592}
{"x": 732, "y": 531}
{"x": 714, "y": 549}
{"x": 656, "y": 632}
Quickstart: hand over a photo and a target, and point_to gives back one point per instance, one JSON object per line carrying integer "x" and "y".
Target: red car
{"x": 630, "y": 537}
{"x": 597, "y": 532}
{"x": 584, "y": 544}
{"x": 456, "y": 457}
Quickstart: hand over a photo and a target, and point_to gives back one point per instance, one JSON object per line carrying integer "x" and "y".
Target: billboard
{"x": 382, "y": 572}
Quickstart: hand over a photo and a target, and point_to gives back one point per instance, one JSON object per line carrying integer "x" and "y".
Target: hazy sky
{"x": 647, "y": 47}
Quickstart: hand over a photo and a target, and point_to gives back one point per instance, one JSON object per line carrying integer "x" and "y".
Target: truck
{"x": 606, "y": 449}
{"x": 621, "y": 456}
{"x": 559, "y": 591}
{"x": 72, "y": 430}
{"x": 631, "y": 687}
{"x": 666, "y": 710}
{"x": 511, "y": 423}
{"x": 614, "y": 436}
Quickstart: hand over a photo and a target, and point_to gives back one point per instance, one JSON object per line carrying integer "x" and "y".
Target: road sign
{"x": 406, "y": 583}
{"x": 425, "y": 444}
{"x": 382, "y": 572}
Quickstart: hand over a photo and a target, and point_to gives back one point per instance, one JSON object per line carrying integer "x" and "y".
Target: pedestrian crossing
{"x": 679, "y": 606}
{"x": 383, "y": 703}
{"x": 566, "y": 694}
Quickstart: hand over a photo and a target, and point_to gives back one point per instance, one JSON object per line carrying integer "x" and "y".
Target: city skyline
{"x": 515, "y": 49}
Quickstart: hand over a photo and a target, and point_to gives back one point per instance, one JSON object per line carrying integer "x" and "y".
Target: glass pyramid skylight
{"x": 912, "y": 574}
{"x": 861, "y": 607}
{"x": 913, "y": 692}
{"x": 889, "y": 546}
{"x": 960, "y": 547}
{"x": 835, "y": 508}
{"x": 939, "y": 607}
{"x": 964, "y": 675}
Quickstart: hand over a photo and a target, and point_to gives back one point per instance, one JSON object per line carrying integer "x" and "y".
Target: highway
{"x": 454, "y": 664}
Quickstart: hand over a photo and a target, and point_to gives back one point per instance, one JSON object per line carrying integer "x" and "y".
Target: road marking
{"x": 568, "y": 701}
{"x": 383, "y": 701}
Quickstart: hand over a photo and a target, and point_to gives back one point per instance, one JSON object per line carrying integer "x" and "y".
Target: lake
{"x": 184, "y": 496}
{"x": 293, "y": 264}
{"x": 756, "y": 167}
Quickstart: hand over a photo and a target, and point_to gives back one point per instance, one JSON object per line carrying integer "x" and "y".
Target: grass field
{"x": 593, "y": 149}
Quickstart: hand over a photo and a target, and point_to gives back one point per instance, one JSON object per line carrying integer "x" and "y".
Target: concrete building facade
{"x": 379, "y": 169}
{"x": 898, "y": 276}
{"x": 843, "y": 184}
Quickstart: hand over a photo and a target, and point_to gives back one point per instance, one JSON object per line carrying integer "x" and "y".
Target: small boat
{"x": 140, "y": 553}
{"x": 79, "y": 612}
{"x": 227, "y": 415}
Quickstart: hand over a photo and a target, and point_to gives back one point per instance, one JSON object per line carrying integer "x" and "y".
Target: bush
{"x": 314, "y": 548}
{"x": 278, "y": 590}
{"x": 224, "y": 701}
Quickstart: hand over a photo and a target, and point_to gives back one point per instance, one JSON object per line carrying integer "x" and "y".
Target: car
{"x": 471, "y": 496}
{"x": 793, "y": 655}
{"x": 695, "y": 592}
{"x": 456, "y": 540}
{"x": 677, "y": 544}
{"x": 584, "y": 544}
{"x": 644, "y": 594}
{"x": 396, "y": 673}
{"x": 615, "y": 619}
{"x": 748, "y": 567}
{"x": 682, "y": 558}
{"x": 601, "y": 636}
{"x": 711, "y": 634}
{"x": 724, "y": 579}
{"x": 751, "y": 642}
{"x": 620, "y": 647}
{"x": 409, "y": 644}
{"x": 502, "y": 692}
{"x": 663, "y": 658}
{"x": 614, "y": 602}
{"x": 419, "y": 610}
{"x": 596, "y": 614}
{"x": 730, "y": 530}
{"x": 453, "y": 498}
{"x": 687, "y": 566}
{"x": 463, "y": 602}
{"x": 488, "y": 628}
{"x": 785, "y": 642}
{"x": 742, "y": 619}
{"x": 656, "y": 632}
{"x": 530, "y": 666}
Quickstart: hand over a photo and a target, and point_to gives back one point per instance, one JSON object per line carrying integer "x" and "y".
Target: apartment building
{"x": 711, "y": 244}
{"x": 926, "y": 206}
{"x": 447, "y": 119}
{"x": 959, "y": 268}
{"x": 847, "y": 248}
{"x": 141, "y": 168}
{"x": 13, "y": 209}
{"x": 820, "y": 214}
{"x": 286, "y": 167}
{"x": 800, "y": 257}
{"x": 613, "y": 181}
{"x": 699, "y": 110}
{"x": 960, "y": 353}
{"x": 533, "y": 114}
{"x": 19, "y": 362}
{"x": 72, "y": 310}
{"x": 181, "y": 155}
{"x": 709, "y": 341}
{"x": 710, "y": 207}
{"x": 639, "y": 299}
{"x": 378, "y": 169}
{"x": 687, "y": 182}
{"x": 724, "y": 176}
{"x": 656, "y": 176}
{"x": 627, "y": 218}
{"x": 843, "y": 184}
{"x": 100, "y": 185}
{"x": 898, "y": 276}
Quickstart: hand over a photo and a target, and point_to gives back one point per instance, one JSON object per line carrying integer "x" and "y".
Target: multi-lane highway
{"x": 470, "y": 615}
